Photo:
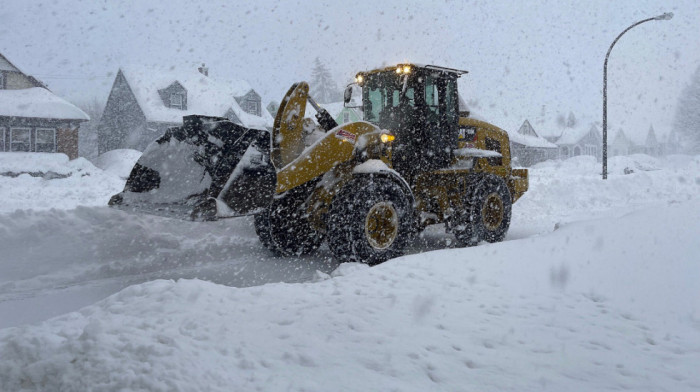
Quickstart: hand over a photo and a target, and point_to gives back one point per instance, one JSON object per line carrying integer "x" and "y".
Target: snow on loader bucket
{"x": 206, "y": 169}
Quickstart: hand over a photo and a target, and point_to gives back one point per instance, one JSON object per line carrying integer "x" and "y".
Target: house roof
{"x": 205, "y": 95}
{"x": 515, "y": 136}
{"x": 529, "y": 140}
{"x": 575, "y": 134}
{"x": 38, "y": 102}
{"x": 620, "y": 138}
{"x": 7, "y": 65}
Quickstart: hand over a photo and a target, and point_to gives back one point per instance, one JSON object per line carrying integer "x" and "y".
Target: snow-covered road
{"x": 588, "y": 268}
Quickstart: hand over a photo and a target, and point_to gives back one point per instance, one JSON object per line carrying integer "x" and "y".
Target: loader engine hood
{"x": 206, "y": 169}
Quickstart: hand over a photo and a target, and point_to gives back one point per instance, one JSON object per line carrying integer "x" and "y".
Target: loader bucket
{"x": 207, "y": 169}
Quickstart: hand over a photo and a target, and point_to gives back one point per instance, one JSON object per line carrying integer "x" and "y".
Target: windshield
{"x": 381, "y": 94}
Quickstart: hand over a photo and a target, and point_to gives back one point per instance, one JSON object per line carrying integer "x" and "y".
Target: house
{"x": 580, "y": 140}
{"x": 32, "y": 118}
{"x": 621, "y": 144}
{"x": 528, "y": 148}
{"x": 145, "y": 102}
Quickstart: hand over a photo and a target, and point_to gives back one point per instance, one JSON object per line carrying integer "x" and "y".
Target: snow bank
{"x": 44, "y": 181}
{"x": 572, "y": 189}
{"x": 34, "y": 162}
{"x": 608, "y": 304}
{"x": 118, "y": 162}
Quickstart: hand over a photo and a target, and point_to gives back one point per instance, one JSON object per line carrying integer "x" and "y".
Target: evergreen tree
{"x": 686, "y": 124}
{"x": 323, "y": 88}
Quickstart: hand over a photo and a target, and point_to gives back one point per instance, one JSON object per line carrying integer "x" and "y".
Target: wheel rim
{"x": 492, "y": 211}
{"x": 381, "y": 225}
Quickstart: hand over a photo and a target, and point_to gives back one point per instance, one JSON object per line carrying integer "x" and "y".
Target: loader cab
{"x": 419, "y": 104}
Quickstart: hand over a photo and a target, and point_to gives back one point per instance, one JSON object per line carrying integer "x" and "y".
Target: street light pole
{"x": 665, "y": 16}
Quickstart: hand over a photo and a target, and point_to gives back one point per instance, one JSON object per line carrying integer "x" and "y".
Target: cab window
{"x": 432, "y": 94}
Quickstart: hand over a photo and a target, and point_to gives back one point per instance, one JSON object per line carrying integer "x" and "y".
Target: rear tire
{"x": 371, "y": 220}
{"x": 284, "y": 228}
{"x": 488, "y": 213}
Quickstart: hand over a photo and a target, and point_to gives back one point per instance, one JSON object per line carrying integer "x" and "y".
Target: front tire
{"x": 488, "y": 213}
{"x": 370, "y": 220}
{"x": 284, "y": 227}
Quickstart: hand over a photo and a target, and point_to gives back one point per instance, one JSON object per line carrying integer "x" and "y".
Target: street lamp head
{"x": 665, "y": 16}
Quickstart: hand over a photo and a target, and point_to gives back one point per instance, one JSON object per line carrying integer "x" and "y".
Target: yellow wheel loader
{"x": 366, "y": 188}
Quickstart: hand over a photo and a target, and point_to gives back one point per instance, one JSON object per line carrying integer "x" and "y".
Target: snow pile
{"x": 45, "y": 180}
{"x": 118, "y": 162}
{"x": 572, "y": 190}
{"x": 38, "y": 102}
{"x": 35, "y": 162}
{"x": 544, "y": 313}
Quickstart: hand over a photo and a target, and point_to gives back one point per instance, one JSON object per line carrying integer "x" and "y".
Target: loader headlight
{"x": 403, "y": 69}
{"x": 387, "y": 137}
{"x": 359, "y": 79}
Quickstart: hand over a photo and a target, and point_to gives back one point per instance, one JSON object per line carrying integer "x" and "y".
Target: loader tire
{"x": 371, "y": 220}
{"x": 284, "y": 228}
{"x": 488, "y": 212}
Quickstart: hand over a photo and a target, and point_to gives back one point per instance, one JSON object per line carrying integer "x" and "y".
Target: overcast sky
{"x": 526, "y": 59}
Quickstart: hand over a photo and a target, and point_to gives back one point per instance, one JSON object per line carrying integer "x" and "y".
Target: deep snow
{"x": 595, "y": 288}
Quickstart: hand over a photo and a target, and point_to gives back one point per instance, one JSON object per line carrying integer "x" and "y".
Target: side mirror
{"x": 347, "y": 95}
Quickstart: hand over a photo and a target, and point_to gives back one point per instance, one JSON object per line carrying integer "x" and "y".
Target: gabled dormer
{"x": 174, "y": 96}
{"x": 527, "y": 129}
{"x": 251, "y": 103}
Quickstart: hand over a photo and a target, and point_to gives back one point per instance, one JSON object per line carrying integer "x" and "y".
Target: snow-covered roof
{"x": 575, "y": 134}
{"x": 619, "y": 137}
{"x": 205, "y": 95}
{"x": 38, "y": 102}
{"x": 529, "y": 140}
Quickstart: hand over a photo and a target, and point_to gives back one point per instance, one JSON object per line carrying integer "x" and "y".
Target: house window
{"x": 577, "y": 151}
{"x": 2, "y": 80}
{"x": 20, "y": 139}
{"x": 176, "y": 101}
{"x": 2, "y": 139}
{"x": 346, "y": 117}
{"x": 45, "y": 140}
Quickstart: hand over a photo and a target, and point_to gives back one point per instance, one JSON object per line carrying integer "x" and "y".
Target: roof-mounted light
{"x": 403, "y": 69}
{"x": 360, "y": 79}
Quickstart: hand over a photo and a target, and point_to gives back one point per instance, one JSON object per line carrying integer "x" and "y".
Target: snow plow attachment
{"x": 207, "y": 169}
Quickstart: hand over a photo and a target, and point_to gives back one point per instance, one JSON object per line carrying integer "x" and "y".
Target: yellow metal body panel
{"x": 335, "y": 148}
{"x": 516, "y": 179}
{"x": 288, "y": 132}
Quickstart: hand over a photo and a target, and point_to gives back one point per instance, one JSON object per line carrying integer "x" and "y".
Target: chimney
{"x": 203, "y": 70}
